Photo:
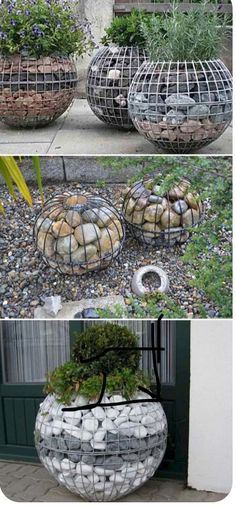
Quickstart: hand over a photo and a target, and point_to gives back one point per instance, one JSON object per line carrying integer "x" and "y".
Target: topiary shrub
{"x": 97, "y": 338}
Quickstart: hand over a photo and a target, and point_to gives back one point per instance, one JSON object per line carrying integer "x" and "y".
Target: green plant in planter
{"x": 127, "y": 30}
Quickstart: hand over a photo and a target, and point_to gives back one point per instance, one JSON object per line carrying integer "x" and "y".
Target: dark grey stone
{"x": 75, "y": 456}
{"x": 73, "y": 443}
{"x": 130, "y": 457}
{"x": 138, "y": 444}
{"x": 113, "y": 462}
{"x": 90, "y": 313}
{"x": 86, "y": 447}
{"x": 89, "y": 459}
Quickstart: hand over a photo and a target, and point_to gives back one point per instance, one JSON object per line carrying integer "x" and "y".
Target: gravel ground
{"x": 25, "y": 280}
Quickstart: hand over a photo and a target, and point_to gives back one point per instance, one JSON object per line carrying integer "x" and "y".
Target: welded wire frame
{"x": 149, "y": 228}
{"x": 181, "y": 106}
{"x": 79, "y": 232}
{"x": 35, "y": 92}
{"x": 107, "y": 461}
{"x": 109, "y": 77}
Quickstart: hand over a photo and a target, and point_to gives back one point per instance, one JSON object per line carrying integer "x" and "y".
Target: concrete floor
{"x": 32, "y": 483}
{"x": 80, "y": 132}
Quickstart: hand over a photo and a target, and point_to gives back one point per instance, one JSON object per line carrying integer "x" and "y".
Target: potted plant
{"x": 106, "y": 451}
{"x": 38, "y": 76}
{"x": 113, "y": 67}
{"x": 181, "y": 99}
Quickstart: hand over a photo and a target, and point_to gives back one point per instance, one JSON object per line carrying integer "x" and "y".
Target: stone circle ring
{"x": 137, "y": 284}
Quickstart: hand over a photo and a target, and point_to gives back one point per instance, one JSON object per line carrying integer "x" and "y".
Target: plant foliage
{"x": 36, "y": 28}
{"x": 127, "y": 30}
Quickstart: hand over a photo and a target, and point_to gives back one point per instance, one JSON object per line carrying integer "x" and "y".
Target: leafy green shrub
{"x": 180, "y": 36}
{"x": 95, "y": 339}
{"x": 64, "y": 381}
{"x": 43, "y": 28}
{"x": 126, "y": 30}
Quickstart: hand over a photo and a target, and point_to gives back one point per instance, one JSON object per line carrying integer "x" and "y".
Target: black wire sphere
{"x": 109, "y": 77}
{"x": 161, "y": 220}
{"x": 79, "y": 232}
{"x": 181, "y": 106}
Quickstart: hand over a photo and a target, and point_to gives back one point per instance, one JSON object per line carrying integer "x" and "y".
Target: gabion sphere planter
{"x": 157, "y": 219}
{"x": 109, "y": 77}
{"x": 104, "y": 453}
{"x": 77, "y": 233}
{"x": 35, "y": 92}
{"x": 181, "y": 106}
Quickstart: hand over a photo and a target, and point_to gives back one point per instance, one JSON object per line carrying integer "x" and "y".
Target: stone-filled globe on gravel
{"x": 109, "y": 77}
{"x": 161, "y": 219}
{"x": 103, "y": 453}
{"x": 78, "y": 232}
{"x": 34, "y": 92}
{"x": 181, "y": 106}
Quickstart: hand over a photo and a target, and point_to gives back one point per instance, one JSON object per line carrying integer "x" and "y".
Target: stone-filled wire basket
{"x": 181, "y": 106}
{"x": 109, "y": 77}
{"x": 34, "y": 92}
{"x": 104, "y": 453}
{"x": 161, "y": 220}
{"x": 77, "y": 233}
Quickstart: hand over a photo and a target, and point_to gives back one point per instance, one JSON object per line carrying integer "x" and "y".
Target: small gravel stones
{"x": 165, "y": 220}
{"x": 181, "y": 107}
{"x": 78, "y": 233}
{"x": 35, "y": 92}
{"x": 109, "y": 77}
{"x": 112, "y": 465}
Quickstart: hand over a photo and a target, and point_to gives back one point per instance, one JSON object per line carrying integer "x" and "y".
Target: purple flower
{"x": 13, "y": 22}
{"x": 27, "y": 13}
{"x": 36, "y": 31}
{"x": 22, "y": 33}
{"x": 3, "y": 35}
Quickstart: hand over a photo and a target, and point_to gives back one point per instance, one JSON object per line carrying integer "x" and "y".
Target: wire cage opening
{"x": 161, "y": 219}
{"x": 34, "y": 92}
{"x": 79, "y": 232}
{"x": 104, "y": 453}
{"x": 181, "y": 106}
{"x": 109, "y": 77}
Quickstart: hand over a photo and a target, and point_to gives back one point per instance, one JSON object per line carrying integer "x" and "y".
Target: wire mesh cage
{"x": 104, "y": 453}
{"x": 34, "y": 92}
{"x": 110, "y": 74}
{"x": 181, "y": 106}
{"x": 161, "y": 219}
{"x": 79, "y": 232}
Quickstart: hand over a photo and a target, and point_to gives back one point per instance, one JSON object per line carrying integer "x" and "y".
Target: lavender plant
{"x": 36, "y": 28}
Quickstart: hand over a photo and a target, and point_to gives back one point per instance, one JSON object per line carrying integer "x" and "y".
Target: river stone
{"x": 73, "y": 218}
{"x": 180, "y": 206}
{"x": 137, "y": 217}
{"x": 43, "y": 224}
{"x": 174, "y": 117}
{"x": 129, "y": 207}
{"x": 190, "y": 217}
{"x": 153, "y": 213}
{"x": 105, "y": 216}
{"x": 190, "y": 126}
{"x": 82, "y": 254}
{"x": 193, "y": 201}
{"x": 65, "y": 245}
{"x": 179, "y": 101}
{"x": 116, "y": 227}
{"x": 87, "y": 233}
{"x": 46, "y": 243}
{"x": 198, "y": 111}
{"x": 170, "y": 219}
{"x": 61, "y": 229}
{"x": 107, "y": 240}
{"x": 90, "y": 215}
{"x": 73, "y": 200}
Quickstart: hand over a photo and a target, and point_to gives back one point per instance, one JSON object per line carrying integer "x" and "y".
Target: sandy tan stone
{"x": 46, "y": 243}
{"x": 87, "y": 233}
{"x": 190, "y": 217}
{"x": 76, "y": 199}
{"x": 61, "y": 228}
{"x": 153, "y": 213}
{"x": 170, "y": 219}
{"x": 73, "y": 218}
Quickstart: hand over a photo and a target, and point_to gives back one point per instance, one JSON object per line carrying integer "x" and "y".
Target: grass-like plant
{"x": 127, "y": 30}
{"x": 179, "y": 36}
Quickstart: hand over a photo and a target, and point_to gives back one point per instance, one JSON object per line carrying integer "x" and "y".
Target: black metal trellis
{"x": 77, "y": 233}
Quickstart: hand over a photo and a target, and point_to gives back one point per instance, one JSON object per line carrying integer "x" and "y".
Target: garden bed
{"x": 25, "y": 280}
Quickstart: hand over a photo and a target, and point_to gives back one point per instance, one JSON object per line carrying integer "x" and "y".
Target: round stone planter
{"x": 77, "y": 233}
{"x": 35, "y": 92}
{"x": 104, "y": 453}
{"x": 110, "y": 74}
{"x": 157, "y": 219}
{"x": 181, "y": 106}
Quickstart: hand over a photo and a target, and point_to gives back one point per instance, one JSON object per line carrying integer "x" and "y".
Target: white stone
{"x": 84, "y": 469}
{"x": 121, "y": 419}
{"x": 98, "y": 445}
{"x": 90, "y": 424}
{"x": 81, "y": 481}
{"x": 102, "y": 471}
{"x": 57, "y": 464}
{"x": 66, "y": 464}
{"x": 108, "y": 425}
{"x": 126, "y": 428}
{"x": 103, "y": 486}
{"x": 74, "y": 419}
{"x": 148, "y": 420}
{"x": 136, "y": 413}
{"x": 139, "y": 480}
{"x": 99, "y": 435}
{"x": 125, "y": 411}
{"x": 66, "y": 480}
{"x": 114, "y": 74}
{"x": 140, "y": 431}
{"x": 117, "y": 478}
{"x": 112, "y": 413}
{"x": 117, "y": 398}
{"x": 99, "y": 413}
{"x": 93, "y": 478}
{"x": 80, "y": 401}
{"x": 149, "y": 462}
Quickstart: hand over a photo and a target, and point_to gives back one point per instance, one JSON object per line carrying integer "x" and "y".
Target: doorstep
{"x": 80, "y": 132}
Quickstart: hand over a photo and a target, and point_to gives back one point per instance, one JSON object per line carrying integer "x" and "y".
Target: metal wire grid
{"x": 104, "y": 453}
{"x": 138, "y": 201}
{"x": 77, "y": 233}
{"x": 181, "y": 106}
{"x": 110, "y": 74}
{"x": 35, "y": 92}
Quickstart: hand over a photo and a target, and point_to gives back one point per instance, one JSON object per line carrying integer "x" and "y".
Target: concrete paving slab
{"x": 71, "y": 308}
{"x": 80, "y": 132}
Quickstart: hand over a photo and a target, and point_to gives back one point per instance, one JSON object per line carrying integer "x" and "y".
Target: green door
{"x": 30, "y": 349}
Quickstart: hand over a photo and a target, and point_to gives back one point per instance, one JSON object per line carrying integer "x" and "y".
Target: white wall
{"x": 210, "y": 439}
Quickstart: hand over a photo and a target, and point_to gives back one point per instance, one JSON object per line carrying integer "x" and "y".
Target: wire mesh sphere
{"x": 34, "y": 92}
{"x": 77, "y": 233}
{"x": 104, "y": 453}
{"x": 181, "y": 106}
{"x": 159, "y": 219}
{"x": 110, "y": 74}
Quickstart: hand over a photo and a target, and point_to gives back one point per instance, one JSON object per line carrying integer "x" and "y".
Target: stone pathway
{"x": 80, "y": 132}
{"x": 32, "y": 483}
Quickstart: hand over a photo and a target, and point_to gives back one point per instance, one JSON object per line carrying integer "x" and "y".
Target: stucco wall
{"x": 210, "y": 439}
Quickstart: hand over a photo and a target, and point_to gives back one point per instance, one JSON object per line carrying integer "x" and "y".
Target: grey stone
{"x": 199, "y": 111}
{"x": 180, "y": 206}
{"x": 113, "y": 463}
{"x": 130, "y": 457}
{"x": 73, "y": 443}
{"x": 89, "y": 459}
{"x": 75, "y": 456}
{"x": 155, "y": 199}
{"x": 174, "y": 117}
{"x": 179, "y": 101}
{"x": 138, "y": 444}
{"x": 90, "y": 313}
{"x": 86, "y": 447}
